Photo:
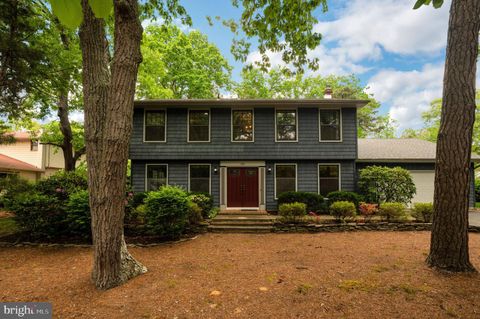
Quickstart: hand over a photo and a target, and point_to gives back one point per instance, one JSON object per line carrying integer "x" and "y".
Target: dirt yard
{"x": 328, "y": 275}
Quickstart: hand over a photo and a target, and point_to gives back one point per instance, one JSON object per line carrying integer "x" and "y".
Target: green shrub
{"x": 166, "y": 211}
{"x": 343, "y": 209}
{"x": 78, "y": 214}
{"x": 138, "y": 199}
{"x": 293, "y": 212}
{"x": 62, "y": 184}
{"x": 194, "y": 213}
{"x": 213, "y": 212}
{"x": 204, "y": 201}
{"x": 11, "y": 186}
{"x": 314, "y": 202}
{"x": 39, "y": 215}
{"x": 341, "y": 196}
{"x": 379, "y": 184}
{"x": 392, "y": 211}
{"x": 423, "y": 212}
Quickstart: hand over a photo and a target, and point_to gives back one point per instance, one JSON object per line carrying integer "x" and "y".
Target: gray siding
{"x": 263, "y": 148}
{"x": 177, "y": 175}
{"x": 425, "y": 166}
{"x": 307, "y": 178}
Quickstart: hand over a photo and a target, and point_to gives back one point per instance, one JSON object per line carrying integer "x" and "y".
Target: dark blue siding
{"x": 177, "y": 175}
{"x": 264, "y": 147}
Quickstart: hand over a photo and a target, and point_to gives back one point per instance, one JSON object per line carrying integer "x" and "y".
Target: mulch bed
{"x": 326, "y": 275}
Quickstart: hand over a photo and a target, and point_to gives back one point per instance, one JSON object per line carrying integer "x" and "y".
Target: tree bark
{"x": 66, "y": 129}
{"x": 108, "y": 102}
{"x": 449, "y": 238}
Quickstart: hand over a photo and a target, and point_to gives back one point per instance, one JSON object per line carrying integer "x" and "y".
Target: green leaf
{"x": 437, "y": 3}
{"x": 418, "y": 4}
{"x": 101, "y": 8}
{"x": 68, "y": 12}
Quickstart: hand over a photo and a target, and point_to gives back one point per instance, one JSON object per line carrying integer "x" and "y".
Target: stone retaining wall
{"x": 383, "y": 226}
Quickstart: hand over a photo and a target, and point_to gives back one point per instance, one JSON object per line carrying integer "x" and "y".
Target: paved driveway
{"x": 474, "y": 219}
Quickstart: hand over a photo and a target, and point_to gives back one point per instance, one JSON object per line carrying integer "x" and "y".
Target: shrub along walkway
{"x": 328, "y": 275}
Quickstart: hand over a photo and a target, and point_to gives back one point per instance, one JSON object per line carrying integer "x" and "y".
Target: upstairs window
{"x": 156, "y": 176}
{"x": 286, "y": 125}
{"x": 199, "y": 178}
{"x": 330, "y": 125}
{"x": 34, "y": 145}
{"x": 155, "y": 126}
{"x": 285, "y": 178}
{"x": 328, "y": 178}
{"x": 242, "y": 125}
{"x": 199, "y": 126}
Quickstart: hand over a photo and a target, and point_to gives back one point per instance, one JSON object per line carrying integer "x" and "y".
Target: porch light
{"x": 269, "y": 170}
{"x": 215, "y": 170}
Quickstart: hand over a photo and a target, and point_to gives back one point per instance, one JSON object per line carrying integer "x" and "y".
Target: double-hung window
{"x": 155, "y": 126}
{"x": 330, "y": 125}
{"x": 156, "y": 176}
{"x": 199, "y": 126}
{"x": 285, "y": 178}
{"x": 199, "y": 178}
{"x": 286, "y": 125}
{"x": 328, "y": 178}
{"x": 242, "y": 125}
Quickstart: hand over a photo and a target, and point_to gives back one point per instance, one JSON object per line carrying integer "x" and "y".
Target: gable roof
{"x": 251, "y": 103}
{"x": 398, "y": 150}
{"x": 11, "y": 164}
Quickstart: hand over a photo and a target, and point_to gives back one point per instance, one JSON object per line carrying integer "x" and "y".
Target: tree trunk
{"x": 108, "y": 101}
{"x": 449, "y": 239}
{"x": 66, "y": 129}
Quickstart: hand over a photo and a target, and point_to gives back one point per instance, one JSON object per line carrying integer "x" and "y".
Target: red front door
{"x": 242, "y": 187}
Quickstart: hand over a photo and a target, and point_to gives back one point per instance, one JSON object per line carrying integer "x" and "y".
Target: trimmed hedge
{"x": 392, "y": 211}
{"x": 340, "y": 196}
{"x": 314, "y": 202}
{"x": 343, "y": 209}
{"x": 423, "y": 212}
{"x": 293, "y": 212}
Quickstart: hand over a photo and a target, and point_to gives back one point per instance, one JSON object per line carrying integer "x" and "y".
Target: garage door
{"x": 424, "y": 181}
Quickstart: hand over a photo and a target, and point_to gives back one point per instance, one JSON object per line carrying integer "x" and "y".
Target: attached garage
{"x": 424, "y": 181}
{"x": 415, "y": 155}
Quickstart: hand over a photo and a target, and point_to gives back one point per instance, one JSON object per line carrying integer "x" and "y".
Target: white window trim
{"x": 209, "y": 175}
{"x": 231, "y": 124}
{"x": 339, "y": 175}
{"x": 275, "y": 177}
{"x": 146, "y": 175}
{"x": 320, "y": 126}
{"x": 145, "y": 125}
{"x": 296, "y": 125}
{"x": 209, "y": 125}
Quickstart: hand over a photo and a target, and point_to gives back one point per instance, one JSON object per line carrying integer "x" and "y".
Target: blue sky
{"x": 396, "y": 51}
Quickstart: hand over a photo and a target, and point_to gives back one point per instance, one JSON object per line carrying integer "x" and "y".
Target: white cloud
{"x": 364, "y": 27}
{"x": 330, "y": 61}
{"x": 408, "y": 92}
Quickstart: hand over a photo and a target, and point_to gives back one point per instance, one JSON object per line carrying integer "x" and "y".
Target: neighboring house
{"x": 415, "y": 155}
{"x": 29, "y": 159}
{"x": 246, "y": 152}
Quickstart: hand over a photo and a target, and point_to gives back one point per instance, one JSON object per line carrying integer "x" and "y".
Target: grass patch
{"x": 351, "y": 285}
{"x": 8, "y": 226}
{"x": 477, "y": 205}
{"x": 303, "y": 289}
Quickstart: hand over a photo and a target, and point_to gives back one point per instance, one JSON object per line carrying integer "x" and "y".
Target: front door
{"x": 242, "y": 187}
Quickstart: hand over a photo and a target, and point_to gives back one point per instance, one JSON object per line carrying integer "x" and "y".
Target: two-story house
{"x": 245, "y": 152}
{"x": 29, "y": 159}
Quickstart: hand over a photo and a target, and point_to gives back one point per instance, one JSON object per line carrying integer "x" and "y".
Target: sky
{"x": 397, "y": 52}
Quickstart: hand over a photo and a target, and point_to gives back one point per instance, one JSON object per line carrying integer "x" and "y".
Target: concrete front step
{"x": 239, "y": 229}
{"x": 244, "y": 212}
{"x": 244, "y": 218}
{"x": 240, "y": 223}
